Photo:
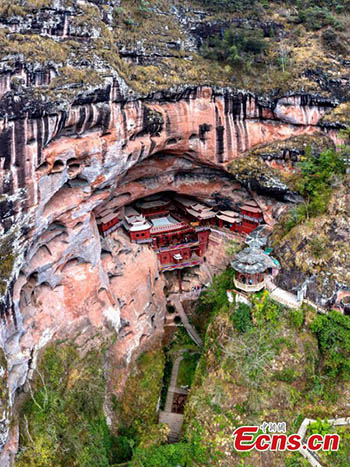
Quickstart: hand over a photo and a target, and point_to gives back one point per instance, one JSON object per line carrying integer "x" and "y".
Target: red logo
{"x": 247, "y": 438}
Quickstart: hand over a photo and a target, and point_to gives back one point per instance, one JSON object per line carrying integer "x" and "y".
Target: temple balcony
{"x": 195, "y": 260}
{"x": 178, "y": 246}
{"x": 249, "y": 287}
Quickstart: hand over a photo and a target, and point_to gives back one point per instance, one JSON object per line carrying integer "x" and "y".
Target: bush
{"x": 265, "y": 310}
{"x": 331, "y": 41}
{"x": 317, "y": 174}
{"x": 63, "y": 422}
{"x": 287, "y": 375}
{"x": 296, "y": 318}
{"x": 231, "y": 5}
{"x": 333, "y": 334}
{"x": 317, "y": 17}
{"x": 214, "y": 298}
{"x": 188, "y": 453}
{"x": 317, "y": 247}
{"x": 236, "y": 46}
{"x": 187, "y": 369}
{"x": 241, "y": 318}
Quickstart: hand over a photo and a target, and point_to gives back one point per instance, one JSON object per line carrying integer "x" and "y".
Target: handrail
{"x": 249, "y": 287}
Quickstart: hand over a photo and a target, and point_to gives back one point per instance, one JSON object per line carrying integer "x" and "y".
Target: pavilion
{"x": 251, "y": 266}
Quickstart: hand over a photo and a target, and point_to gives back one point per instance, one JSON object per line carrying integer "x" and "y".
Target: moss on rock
{"x": 318, "y": 142}
{"x": 7, "y": 261}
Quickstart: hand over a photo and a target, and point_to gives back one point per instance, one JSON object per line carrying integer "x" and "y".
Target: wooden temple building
{"x": 179, "y": 241}
{"x": 178, "y": 229}
{"x": 108, "y": 223}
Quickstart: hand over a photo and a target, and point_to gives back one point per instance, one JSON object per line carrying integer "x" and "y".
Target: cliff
{"x": 96, "y": 112}
{"x": 62, "y": 170}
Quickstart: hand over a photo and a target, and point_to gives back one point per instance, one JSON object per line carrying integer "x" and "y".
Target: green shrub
{"x": 265, "y": 310}
{"x": 241, "y": 318}
{"x": 213, "y": 299}
{"x": 317, "y": 247}
{"x": 316, "y": 17}
{"x": 187, "y": 369}
{"x": 333, "y": 334}
{"x": 317, "y": 173}
{"x": 236, "y": 46}
{"x": 63, "y": 422}
{"x": 231, "y": 5}
{"x": 188, "y": 453}
{"x": 321, "y": 427}
{"x": 287, "y": 375}
{"x": 331, "y": 41}
{"x": 296, "y": 318}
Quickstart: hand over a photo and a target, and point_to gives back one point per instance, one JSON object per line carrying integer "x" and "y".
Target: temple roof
{"x": 137, "y": 225}
{"x": 253, "y": 260}
{"x": 165, "y": 224}
{"x": 184, "y": 201}
{"x": 229, "y": 216}
{"x": 250, "y": 208}
{"x": 109, "y": 217}
{"x": 205, "y": 214}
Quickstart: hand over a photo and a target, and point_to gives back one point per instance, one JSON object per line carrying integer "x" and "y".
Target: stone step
{"x": 174, "y": 421}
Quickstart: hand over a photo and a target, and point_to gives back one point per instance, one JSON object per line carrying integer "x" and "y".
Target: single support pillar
{"x": 180, "y": 280}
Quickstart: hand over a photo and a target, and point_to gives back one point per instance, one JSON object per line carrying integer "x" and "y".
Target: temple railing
{"x": 249, "y": 287}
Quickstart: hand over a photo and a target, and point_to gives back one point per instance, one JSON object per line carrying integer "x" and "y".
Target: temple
{"x": 251, "y": 217}
{"x": 108, "y": 223}
{"x": 178, "y": 229}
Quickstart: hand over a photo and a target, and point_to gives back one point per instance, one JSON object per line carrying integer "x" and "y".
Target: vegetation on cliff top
{"x": 174, "y": 43}
{"x": 316, "y": 178}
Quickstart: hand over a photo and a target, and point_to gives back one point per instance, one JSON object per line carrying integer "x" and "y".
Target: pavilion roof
{"x": 253, "y": 260}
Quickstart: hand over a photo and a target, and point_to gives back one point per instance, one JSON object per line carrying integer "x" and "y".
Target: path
{"x": 309, "y": 455}
{"x": 174, "y": 420}
{"x": 172, "y": 386}
{"x": 282, "y": 296}
{"x": 175, "y": 300}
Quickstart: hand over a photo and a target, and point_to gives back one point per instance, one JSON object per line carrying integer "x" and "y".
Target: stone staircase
{"x": 189, "y": 328}
{"x": 174, "y": 420}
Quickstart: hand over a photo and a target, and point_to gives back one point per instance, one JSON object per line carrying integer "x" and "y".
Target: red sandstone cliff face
{"x": 60, "y": 171}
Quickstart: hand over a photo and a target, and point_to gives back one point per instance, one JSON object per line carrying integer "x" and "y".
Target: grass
{"x": 187, "y": 369}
